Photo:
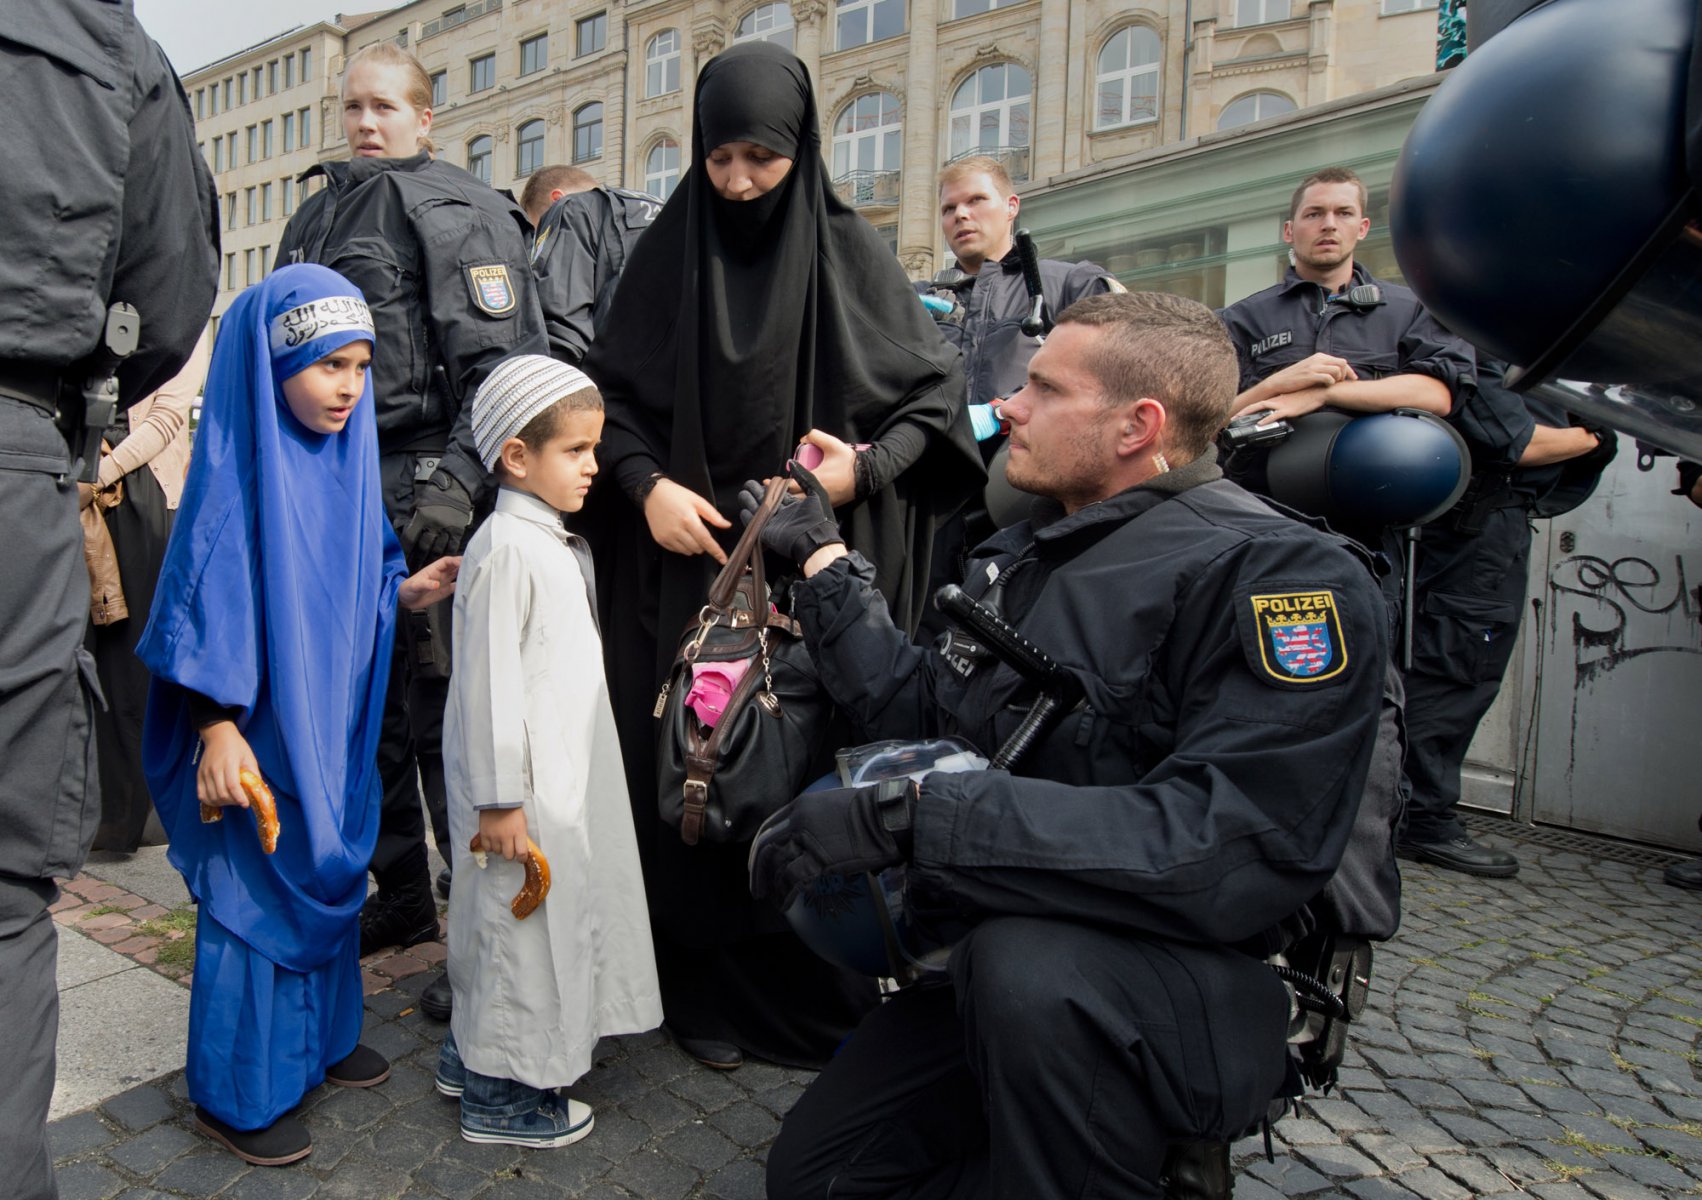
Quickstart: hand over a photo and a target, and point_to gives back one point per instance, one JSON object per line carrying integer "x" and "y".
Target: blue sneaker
{"x": 451, "y": 1078}
{"x": 556, "y": 1121}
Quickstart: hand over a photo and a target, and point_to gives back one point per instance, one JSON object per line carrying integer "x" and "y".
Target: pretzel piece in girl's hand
{"x": 261, "y": 801}
{"x": 537, "y": 885}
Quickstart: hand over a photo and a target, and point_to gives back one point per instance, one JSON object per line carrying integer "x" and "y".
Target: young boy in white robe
{"x": 533, "y": 765}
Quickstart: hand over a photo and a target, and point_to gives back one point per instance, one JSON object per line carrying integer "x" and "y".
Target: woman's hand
{"x": 224, "y": 755}
{"x": 679, "y": 520}
{"x": 503, "y": 831}
{"x": 837, "y": 471}
{"x": 430, "y": 584}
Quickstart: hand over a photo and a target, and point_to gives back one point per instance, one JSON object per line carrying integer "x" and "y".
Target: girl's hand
{"x": 679, "y": 517}
{"x": 837, "y": 471}
{"x": 430, "y": 584}
{"x": 224, "y": 755}
{"x": 503, "y": 831}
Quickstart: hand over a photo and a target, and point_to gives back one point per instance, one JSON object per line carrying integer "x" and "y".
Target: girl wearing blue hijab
{"x": 269, "y": 645}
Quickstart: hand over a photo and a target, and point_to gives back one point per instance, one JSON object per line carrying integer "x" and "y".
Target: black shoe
{"x": 718, "y": 1056}
{"x": 1197, "y": 1171}
{"x": 1461, "y": 854}
{"x": 283, "y": 1141}
{"x": 443, "y": 878}
{"x": 405, "y": 916}
{"x": 363, "y": 1068}
{"x": 1686, "y": 875}
{"x": 437, "y": 1000}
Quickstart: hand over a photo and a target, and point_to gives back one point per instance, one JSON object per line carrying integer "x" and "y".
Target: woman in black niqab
{"x": 741, "y": 326}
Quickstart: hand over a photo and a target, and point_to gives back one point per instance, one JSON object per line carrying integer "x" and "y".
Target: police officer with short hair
{"x": 129, "y": 217}
{"x": 584, "y": 234}
{"x": 1126, "y": 880}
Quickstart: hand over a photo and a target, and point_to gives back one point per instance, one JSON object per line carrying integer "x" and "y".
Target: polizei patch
{"x": 492, "y": 290}
{"x": 1299, "y": 635}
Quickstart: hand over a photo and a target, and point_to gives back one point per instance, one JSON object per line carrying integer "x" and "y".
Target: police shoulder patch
{"x": 1298, "y": 636}
{"x": 493, "y": 291}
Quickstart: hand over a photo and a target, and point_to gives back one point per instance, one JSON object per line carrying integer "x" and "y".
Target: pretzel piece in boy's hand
{"x": 261, "y": 801}
{"x": 537, "y": 885}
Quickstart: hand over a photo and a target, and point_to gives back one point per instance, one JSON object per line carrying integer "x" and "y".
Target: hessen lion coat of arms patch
{"x": 1300, "y": 636}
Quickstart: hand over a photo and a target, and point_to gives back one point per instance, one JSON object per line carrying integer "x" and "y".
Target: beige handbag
{"x": 106, "y": 589}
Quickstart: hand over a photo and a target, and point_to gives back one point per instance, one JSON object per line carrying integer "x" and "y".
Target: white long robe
{"x": 528, "y": 723}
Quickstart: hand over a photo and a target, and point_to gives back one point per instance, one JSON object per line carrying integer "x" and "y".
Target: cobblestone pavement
{"x": 1529, "y": 1037}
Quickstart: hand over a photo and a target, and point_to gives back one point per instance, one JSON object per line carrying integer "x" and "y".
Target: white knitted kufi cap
{"x": 516, "y": 391}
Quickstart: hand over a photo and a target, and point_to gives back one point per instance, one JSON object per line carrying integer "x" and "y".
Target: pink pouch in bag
{"x": 712, "y": 685}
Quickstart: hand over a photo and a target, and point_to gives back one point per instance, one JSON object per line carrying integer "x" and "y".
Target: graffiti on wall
{"x": 1627, "y": 609}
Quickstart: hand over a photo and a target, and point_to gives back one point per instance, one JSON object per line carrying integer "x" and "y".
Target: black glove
{"x": 1607, "y": 445}
{"x": 841, "y": 831}
{"x": 442, "y": 512}
{"x": 801, "y": 525}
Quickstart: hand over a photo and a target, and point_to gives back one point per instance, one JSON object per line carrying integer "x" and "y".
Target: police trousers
{"x": 1060, "y": 1061}
{"x": 1471, "y": 595}
{"x": 410, "y": 740}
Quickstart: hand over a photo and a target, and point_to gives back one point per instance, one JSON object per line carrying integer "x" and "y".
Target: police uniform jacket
{"x": 441, "y": 260}
{"x": 995, "y": 301}
{"x": 1232, "y": 661}
{"x": 577, "y": 257}
{"x": 1285, "y": 324}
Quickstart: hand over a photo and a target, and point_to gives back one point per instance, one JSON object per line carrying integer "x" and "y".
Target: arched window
{"x": 530, "y": 154}
{"x": 766, "y": 23}
{"x": 662, "y": 64}
{"x": 588, "y": 132}
{"x": 868, "y": 149}
{"x": 662, "y": 168}
{"x": 990, "y": 112}
{"x": 1128, "y": 78}
{"x": 479, "y": 158}
{"x": 859, "y": 22}
{"x": 1255, "y": 106}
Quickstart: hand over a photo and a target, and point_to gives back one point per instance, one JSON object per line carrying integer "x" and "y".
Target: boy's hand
{"x": 224, "y": 755}
{"x": 430, "y": 584}
{"x": 503, "y": 831}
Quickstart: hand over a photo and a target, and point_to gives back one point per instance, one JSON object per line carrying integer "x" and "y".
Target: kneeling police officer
{"x": 1110, "y": 1003}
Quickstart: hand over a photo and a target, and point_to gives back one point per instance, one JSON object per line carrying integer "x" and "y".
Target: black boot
{"x": 401, "y": 912}
{"x": 1197, "y": 1171}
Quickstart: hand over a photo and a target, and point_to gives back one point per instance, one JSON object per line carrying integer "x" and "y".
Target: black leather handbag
{"x": 768, "y": 718}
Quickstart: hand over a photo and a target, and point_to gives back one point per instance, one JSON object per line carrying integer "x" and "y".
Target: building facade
{"x": 1056, "y": 89}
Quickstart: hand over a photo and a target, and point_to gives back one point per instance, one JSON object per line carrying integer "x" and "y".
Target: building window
{"x": 253, "y": 143}
{"x": 251, "y": 202}
{"x": 534, "y": 54}
{"x": 1128, "y": 78}
{"x": 307, "y": 64}
{"x": 200, "y": 103}
{"x": 306, "y": 136}
{"x": 662, "y": 168}
{"x": 255, "y": 90}
{"x": 218, "y": 154}
{"x": 662, "y": 64}
{"x": 248, "y": 275}
{"x": 864, "y": 21}
{"x": 968, "y": 8}
{"x": 230, "y": 149}
{"x": 588, "y": 132}
{"x": 213, "y": 101}
{"x": 266, "y": 202}
{"x": 483, "y": 76}
{"x": 440, "y": 89}
{"x": 286, "y": 190}
{"x": 531, "y": 152}
{"x": 589, "y": 34}
{"x": 242, "y": 88}
{"x": 265, "y": 139}
{"x": 1391, "y": 7}
{"x": 766, "y": 23}
{"x": 230, "y": 210}
{"x": 1255, "y": 106}
{"x": 990, "y": 115}
{"x": 289, "y": 71}
{"x": 265, "y": 261}
{"x": 479, "y": 158}
{"x": 227, "y": 95}
{"x": 289, "y": 132}
{"x": 1259, "y": 12}
{"x": 230, "y": 271}
{"x": 868, "y": 149}
{"x": 272, "y": 78}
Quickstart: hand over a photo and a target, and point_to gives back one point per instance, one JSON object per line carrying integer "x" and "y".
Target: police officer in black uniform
{"x": 584, "y": 234}
{"x": 1528, "y": 460}
{"x": 1127, "y": 880}
{"x": 441, "y": 259}
{"x": 107, "y": 201}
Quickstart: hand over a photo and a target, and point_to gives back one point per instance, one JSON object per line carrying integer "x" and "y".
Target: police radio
{"x": 100, "y": 389}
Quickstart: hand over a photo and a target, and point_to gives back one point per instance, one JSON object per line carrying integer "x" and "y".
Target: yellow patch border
{"x": 1262, "y": 625}
{"x": 493, "y": 271}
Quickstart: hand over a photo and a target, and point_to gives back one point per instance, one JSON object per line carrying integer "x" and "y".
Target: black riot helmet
{"x": 1542, "y": 209}
{"x": 1398, "y": 468}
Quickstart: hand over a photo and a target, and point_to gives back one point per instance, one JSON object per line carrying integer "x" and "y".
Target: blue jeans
{"x": 488, "y": 1102}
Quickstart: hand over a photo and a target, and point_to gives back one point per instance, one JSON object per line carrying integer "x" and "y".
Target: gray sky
{"x": 197, "y": 32}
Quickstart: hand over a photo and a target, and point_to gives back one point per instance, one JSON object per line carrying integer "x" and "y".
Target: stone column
{"x": 1057, "y": 82}
{"x": 707, "y": 40}
{"x": 918, "y": 232}
{"x": 808, "y": 17}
